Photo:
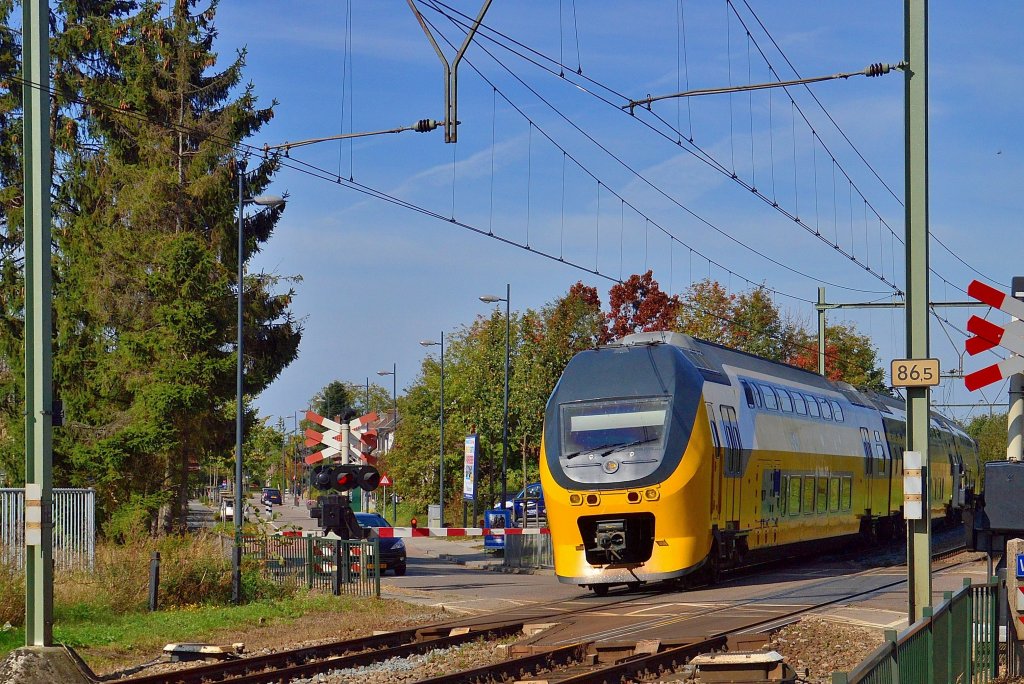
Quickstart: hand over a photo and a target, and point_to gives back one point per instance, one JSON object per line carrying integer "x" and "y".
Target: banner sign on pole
{"x": 469, "y": 469}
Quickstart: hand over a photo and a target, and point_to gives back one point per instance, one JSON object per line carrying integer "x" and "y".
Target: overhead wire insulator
{"x": 878, "y": 69}
{"x": 425, "y": 125}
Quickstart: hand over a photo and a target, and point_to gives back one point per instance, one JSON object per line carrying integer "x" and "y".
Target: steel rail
{"x": 314, "y": 659}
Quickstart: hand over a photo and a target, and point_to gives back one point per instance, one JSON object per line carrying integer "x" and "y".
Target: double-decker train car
{"x": 664, "y": 456}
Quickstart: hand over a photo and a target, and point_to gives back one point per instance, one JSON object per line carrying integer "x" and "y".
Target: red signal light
{"x": 345, "y": 481}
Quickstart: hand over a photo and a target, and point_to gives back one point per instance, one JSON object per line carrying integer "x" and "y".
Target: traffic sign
{"x": 1020, "y": 566}
{"x": 385, "y": 481}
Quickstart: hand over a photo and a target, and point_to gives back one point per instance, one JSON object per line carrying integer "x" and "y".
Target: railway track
{"x": 579, "y": 661}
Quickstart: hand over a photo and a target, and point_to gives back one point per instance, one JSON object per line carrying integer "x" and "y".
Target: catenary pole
{"x": 38, "y": 327}
{"x": 918, "y": 398}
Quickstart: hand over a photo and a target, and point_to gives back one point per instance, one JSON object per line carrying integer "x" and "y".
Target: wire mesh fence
{"x": 74, "y": 528}
{"x": 341, "y": 566}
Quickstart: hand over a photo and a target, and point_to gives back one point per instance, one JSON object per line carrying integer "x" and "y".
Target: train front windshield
{"x": 619, "y": 427}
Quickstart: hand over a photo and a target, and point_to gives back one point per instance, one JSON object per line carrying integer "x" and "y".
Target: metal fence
{"x": 74, "y": 528}
{"x": 529, "y": 551}
{"x": 956, "y": 643}
{"x": 337, "y": 565}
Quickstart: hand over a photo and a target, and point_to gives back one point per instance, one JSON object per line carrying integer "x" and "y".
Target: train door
{"x": 869, "y": 469}
{"x": 733, "y": 466}
{"x": 716, "y": 466}
{"x": 771, "y": 499}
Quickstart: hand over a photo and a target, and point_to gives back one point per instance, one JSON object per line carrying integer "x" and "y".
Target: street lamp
{"x": 432, "y": 343}
{"x": 394, "y": 389}
{"x": 492, "y": 299}
{"x": 236, "y": 556}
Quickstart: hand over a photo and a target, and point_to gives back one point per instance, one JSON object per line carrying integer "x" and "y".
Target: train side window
{"x": 784, "y": 499}
{"x": 837, "y": 411}
{"x": 794, "y": 496}
{"x": 879, "y": 458}
{"x": 833, "y": 494}
{"x": 716, "y": 442}
{"x": 732, "y": 447}
{"x": 770, "y": 400}
{"x": 734, "y": 457}
{"x": 785, "y": 401}
{"x": 812, "y": 407}
{"x": 846, "y": 494}
{"x": 878, "y": 437}
{"x": 798, "y": 404}
{"x": 808, "y": 502}
{"x": 865, "y": 439}
{"x": 749, "y": 393}
{"x": 826, "y": 411}
{"x": 822, "y": 498}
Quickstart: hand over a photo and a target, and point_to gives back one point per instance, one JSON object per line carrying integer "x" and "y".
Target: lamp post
{"x": 236, "y": 556}
{"x": 432, "y": 343}
{"x": 394, "y": 389}
{"x": 491, "y": 299}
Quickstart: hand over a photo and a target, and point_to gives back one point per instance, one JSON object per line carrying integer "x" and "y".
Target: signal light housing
{"x": 343, "y": 478}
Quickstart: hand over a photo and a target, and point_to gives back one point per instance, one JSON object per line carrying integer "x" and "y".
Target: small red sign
{"x": 385, "y": 481}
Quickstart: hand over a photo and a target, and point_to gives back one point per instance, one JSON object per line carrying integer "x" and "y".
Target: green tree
{"x": 12, "y": 282}
{"x": 990, "y": 434}
{"x": 145, "y": 289}
{"x": 335, "y": 399}
{"x": 706, "y": 313}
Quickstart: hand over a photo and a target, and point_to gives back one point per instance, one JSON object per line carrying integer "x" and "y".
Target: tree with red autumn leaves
{"x": 639, "y": 305}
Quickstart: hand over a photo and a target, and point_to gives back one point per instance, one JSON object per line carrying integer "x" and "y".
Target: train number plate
{"x": 915, "y": 372}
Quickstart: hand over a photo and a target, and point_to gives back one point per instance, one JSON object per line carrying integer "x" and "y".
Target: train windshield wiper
{"x": 610, "y": 449}
{"x": 626, "y": 445}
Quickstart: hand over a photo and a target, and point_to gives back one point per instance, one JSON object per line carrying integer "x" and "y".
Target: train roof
{"x": 711, "y": 358}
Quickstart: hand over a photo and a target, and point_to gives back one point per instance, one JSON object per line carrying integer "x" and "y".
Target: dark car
{"x": 529, "y": 501}
{"x": 392, "y": 550}
{"x": 271, "y": 496}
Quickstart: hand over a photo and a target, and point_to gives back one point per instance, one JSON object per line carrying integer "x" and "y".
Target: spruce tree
{"x": 146, "y": 289}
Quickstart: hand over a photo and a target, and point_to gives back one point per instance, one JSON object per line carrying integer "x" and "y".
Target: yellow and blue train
{"x": 665, "y": 456}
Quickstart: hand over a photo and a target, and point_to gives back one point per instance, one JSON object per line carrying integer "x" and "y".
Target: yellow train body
{"x": 702, "y": 457}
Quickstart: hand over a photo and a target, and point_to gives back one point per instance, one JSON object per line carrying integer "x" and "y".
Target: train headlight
{"x": 575, "y": 499}
{"x": 651, "y": 494}
{"x": 611, "y": 466}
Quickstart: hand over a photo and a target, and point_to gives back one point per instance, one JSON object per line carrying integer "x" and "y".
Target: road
{"x": 447, "y": 572}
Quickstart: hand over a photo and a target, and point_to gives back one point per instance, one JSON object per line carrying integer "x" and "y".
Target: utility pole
{"x": 1015, "y": 413}
{"x": 918, "y": 398}
{"x": 38, "y": 328}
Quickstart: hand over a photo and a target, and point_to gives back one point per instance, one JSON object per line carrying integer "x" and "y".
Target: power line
{"x": 696, "y": 151}
{"x": 323, "y": 174}
{"x": 633, "y": 171}
{"x": 848, "y": 140}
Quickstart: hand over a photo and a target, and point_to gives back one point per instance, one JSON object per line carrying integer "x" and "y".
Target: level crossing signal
{"x": 988, "y": 335}
{"x": 343, "y": 478}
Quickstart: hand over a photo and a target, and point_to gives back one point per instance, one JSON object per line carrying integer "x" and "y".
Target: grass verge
{"x": 110, "y": 641}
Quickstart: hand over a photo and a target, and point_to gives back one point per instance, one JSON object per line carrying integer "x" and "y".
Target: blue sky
{"x": 378, "y": 277}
